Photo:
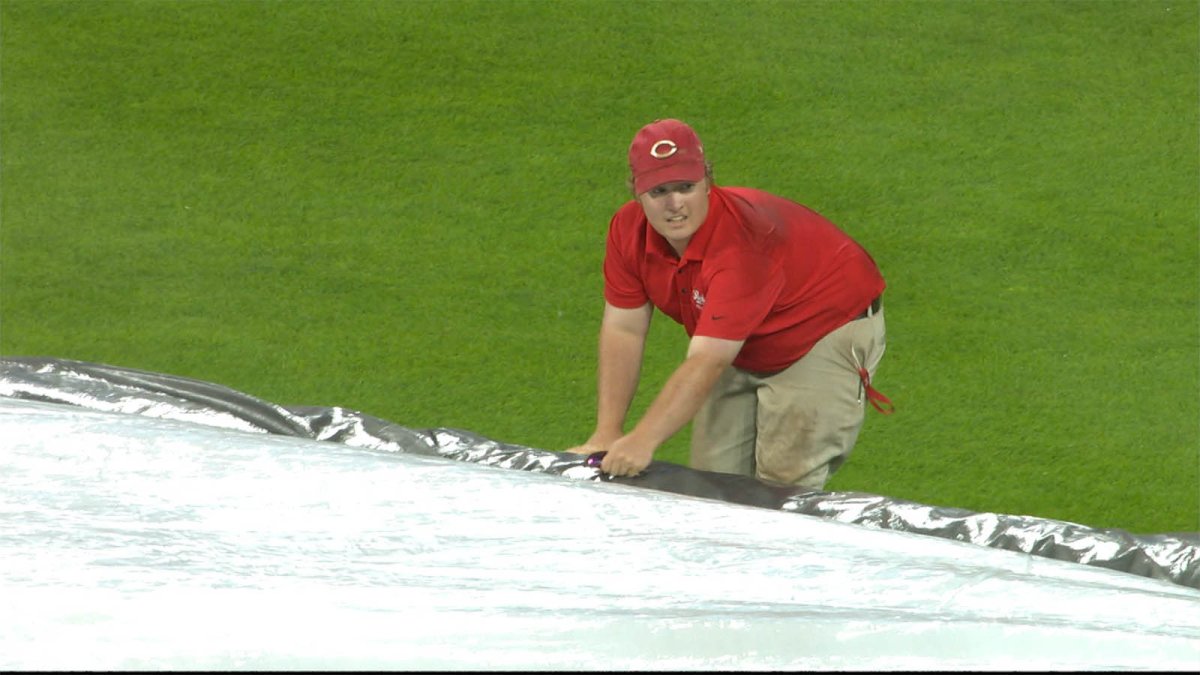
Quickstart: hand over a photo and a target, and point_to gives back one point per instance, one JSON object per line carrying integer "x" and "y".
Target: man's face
{"x": 676, "y": 210}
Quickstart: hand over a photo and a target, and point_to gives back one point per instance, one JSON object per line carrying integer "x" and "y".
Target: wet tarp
{"x": 149, "y": 522}
{"x": 1173, "y": 557}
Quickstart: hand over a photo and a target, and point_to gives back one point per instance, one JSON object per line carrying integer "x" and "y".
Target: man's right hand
{"x": 588, "y": 448}
{"x": 599, "y": 442}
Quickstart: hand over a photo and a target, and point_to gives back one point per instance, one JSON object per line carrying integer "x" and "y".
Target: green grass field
{"x": 399, "y": 207}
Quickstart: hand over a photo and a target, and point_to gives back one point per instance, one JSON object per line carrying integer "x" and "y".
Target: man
{"x": 783, "y": 310}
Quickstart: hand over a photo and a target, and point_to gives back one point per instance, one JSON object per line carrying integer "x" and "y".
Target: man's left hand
{"x": 627, "y": 457}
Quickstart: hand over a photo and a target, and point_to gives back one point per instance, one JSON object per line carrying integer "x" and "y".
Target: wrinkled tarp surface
{"x": 138, "y": 542}
{"x": 1173, "y": 556}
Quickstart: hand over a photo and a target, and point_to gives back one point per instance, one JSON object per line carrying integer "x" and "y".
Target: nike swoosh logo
{"x": 718, "y": 318}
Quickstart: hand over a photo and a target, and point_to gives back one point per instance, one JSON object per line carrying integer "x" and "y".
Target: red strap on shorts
{"x": 877, "y": 399}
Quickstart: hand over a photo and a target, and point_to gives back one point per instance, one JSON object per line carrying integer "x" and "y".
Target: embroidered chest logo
{"x": 697, "y": 299}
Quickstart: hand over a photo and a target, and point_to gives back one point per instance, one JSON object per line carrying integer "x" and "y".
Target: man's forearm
{"x": 680, "y": 399}
{"x": 618, "y": 370}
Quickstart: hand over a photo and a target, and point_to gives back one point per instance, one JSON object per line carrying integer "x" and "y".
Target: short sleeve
{"x": 623, "y": 285}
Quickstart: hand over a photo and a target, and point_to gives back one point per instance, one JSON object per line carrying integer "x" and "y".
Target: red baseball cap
{"x": 665, "y": 151}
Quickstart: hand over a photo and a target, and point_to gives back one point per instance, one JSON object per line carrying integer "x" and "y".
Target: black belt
{"x": 873, "y": 309}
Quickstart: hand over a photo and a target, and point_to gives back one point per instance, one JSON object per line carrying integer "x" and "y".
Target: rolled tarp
{"x": 1173, "y": 557}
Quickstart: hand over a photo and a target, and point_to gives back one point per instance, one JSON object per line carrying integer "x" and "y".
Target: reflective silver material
{"x": 1173, "y": 557}
{"x": 135, "y": 542}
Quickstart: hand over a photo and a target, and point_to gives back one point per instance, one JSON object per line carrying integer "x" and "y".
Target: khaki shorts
{"x": 796, "y": 426}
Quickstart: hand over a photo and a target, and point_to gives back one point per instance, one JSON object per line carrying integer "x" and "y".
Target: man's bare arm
{"x": 621, "y": 345}
{"x": 675, "y": 406}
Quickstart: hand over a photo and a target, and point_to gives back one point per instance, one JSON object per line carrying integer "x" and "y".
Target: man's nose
{"x": 674, "y": 200}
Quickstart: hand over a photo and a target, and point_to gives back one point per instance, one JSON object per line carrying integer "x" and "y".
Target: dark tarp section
{"x": 1173, "y": 557}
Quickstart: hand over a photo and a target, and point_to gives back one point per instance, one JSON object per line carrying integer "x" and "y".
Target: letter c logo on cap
{"x": 657, "y": 152}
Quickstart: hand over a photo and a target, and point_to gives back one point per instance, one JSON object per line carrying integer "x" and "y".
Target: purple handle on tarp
{"x": 593, "y": 460}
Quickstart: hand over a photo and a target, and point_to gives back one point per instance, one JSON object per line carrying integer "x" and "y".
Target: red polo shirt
{"x": 761, "y": 269}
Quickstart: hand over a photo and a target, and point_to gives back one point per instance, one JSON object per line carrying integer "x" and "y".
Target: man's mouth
{"x": 676, "y": 219}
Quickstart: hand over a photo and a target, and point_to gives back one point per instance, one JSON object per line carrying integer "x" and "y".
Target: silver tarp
{"x": 133, "y": 541}
{"x": 1172, "y": 556}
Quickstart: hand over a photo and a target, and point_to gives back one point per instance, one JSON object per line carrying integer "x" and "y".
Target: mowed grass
{"x": 399, "y": 207}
